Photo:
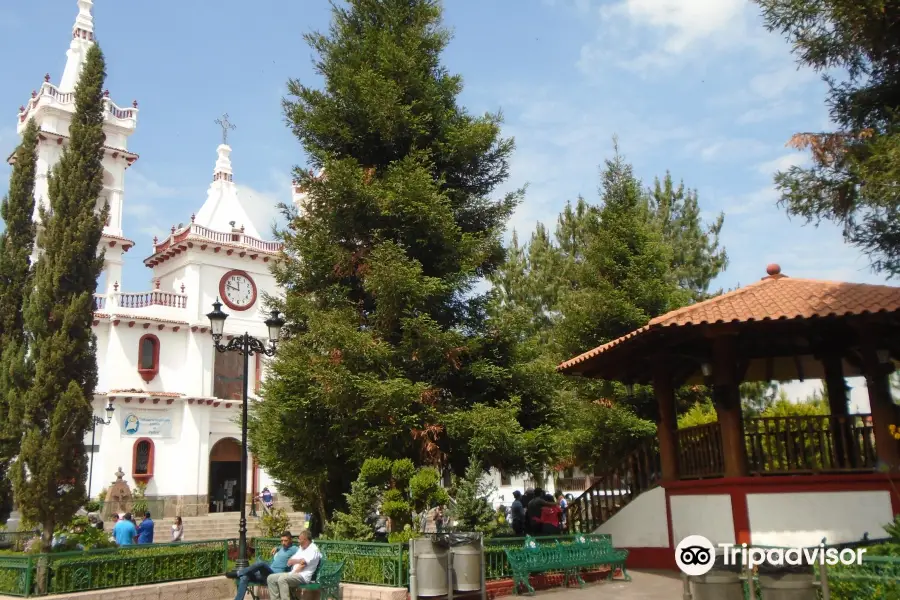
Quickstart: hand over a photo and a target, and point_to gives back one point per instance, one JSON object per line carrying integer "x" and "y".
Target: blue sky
{"x": 694, "y": 86}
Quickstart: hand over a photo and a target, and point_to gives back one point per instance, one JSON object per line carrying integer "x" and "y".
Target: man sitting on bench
{"x": 260, "y": 570}
{"x": 303, "y": 566}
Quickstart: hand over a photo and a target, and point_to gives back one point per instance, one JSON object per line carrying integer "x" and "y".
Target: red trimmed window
{"x": 142, "y": 459}
{"x": 148, "y": 357}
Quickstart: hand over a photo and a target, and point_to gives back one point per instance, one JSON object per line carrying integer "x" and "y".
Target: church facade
{"x": 177, "y": 401}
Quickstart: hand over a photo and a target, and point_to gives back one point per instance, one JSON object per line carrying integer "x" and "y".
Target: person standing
{"x": 551, "y": 515}
{"x": 259, "y": 571}
{"x": 563, "y": 505}
{"x": 145, "y": 530}
{"x": 533, "y": 512}
{"x": 178, "y": 530}
{"x": 303, "y": 566}
{"x": 439, "y": 519}
{"x": 517, "y": 512}
{"x": 220, "y": 499}
{"x": 125, "y": 533}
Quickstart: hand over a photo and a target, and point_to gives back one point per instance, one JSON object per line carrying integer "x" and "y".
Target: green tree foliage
{"x": 855, "y": 169}
{"x": 471, "y": 509}
{"x": 608, "y": 269}
{"x": 697, "y": 257}
{"x": 397, "y": 488}
{"x": 16, "y": 245}
{"x": 386, "y": 341}
{"x": 50, "y": 471}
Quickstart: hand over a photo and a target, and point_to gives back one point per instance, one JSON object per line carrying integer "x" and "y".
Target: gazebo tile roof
{"x": 776, "y": 297}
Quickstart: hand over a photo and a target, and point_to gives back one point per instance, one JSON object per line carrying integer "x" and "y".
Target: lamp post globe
{"x": 217, "y": 320}
{"x": 274, "y": 323}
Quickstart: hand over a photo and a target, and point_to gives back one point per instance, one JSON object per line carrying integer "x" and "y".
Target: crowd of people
{"x": 537, "y": 512}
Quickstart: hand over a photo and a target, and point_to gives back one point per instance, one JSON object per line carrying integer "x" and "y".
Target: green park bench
{"x": 582, "y": 553}
{"x": 326, "y": 579}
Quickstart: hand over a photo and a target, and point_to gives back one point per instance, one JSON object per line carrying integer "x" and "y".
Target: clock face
{"x": 238, "y": 290}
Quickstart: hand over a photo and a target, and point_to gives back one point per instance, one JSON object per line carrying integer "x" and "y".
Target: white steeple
{"x": 82, "y": 40}
{"x": 222, "y": 210}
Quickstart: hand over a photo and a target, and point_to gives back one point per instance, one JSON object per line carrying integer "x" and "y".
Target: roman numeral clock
{"x": 237, "y": 290}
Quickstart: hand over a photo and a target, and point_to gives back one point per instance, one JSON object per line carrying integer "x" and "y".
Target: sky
{"x": 696, "y": 87}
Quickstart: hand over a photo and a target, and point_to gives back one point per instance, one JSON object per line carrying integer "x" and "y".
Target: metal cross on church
{"x": 226, "y": 126}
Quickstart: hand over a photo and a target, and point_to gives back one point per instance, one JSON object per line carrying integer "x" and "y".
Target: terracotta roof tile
{"x": 776, "y": 297}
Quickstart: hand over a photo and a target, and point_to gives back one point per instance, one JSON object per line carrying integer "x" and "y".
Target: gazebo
{"x": 770, "y": 481}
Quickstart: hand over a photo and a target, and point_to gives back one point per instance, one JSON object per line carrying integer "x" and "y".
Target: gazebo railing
{"x": 700, "y": 451}
{"x": 810, "y": 444}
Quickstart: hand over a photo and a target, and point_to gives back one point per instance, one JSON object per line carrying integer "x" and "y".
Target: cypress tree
{"x": 390, "y": 353}
{"x": 16, "y": 244}
{"x": 49, "y": 474}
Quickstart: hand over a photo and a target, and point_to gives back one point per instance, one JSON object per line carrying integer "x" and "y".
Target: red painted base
{"x": 651, "y": 558}
{"x": 504, "y": 587}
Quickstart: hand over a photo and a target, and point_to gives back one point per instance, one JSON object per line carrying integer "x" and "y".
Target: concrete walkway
{"x": 644, "y": 585}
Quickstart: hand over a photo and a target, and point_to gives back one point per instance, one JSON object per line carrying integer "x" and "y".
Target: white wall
{"x": 641, "y": 523}
{"x": 803, "y": 519}
{"x": 706, "y": 515}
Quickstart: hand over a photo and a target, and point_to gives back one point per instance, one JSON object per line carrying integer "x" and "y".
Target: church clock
{"x": 237, "y": 290}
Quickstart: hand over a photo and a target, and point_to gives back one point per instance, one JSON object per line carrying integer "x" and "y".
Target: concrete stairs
{"x": 217, "y": 526}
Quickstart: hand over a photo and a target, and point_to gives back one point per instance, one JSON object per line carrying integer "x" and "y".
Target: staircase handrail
{"x": 582, "y": 510}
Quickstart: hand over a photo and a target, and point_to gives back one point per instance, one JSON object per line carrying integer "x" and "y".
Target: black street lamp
{"x": 97, "y": 421}
{"x": 247, "y": 346}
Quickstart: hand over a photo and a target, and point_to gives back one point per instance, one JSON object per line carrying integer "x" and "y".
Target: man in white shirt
{"x": 303, "y": 565}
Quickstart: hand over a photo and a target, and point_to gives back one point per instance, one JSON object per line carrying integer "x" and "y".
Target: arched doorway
{"x": 225, "y": 476}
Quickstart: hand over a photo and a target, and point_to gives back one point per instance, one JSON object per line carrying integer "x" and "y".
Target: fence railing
{"x": 69, "y": 572}
{"x": 372, "y": 563}
{"x": 700, "y": 451}
{"x": 810, "y": 444}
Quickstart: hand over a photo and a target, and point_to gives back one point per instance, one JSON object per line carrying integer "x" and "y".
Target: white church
{"x": 176, "y": 400}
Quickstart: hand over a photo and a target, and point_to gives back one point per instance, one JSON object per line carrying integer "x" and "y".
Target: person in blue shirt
{"x": 260, "y": 570}
{"x": 145, "y": 530}
{"x": 125, "y": 532}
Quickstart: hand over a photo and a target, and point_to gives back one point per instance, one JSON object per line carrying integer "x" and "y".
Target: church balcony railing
{"x": 99, "y": 301}
{"x": 49, "y": 94}
{"x": 235, "y": 237}
{"x": 154, "y": 298}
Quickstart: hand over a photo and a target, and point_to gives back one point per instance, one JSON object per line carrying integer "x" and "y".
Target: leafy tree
{"x": 386, "y": 341}
{"x": 16, "y": 245}
{"x": 50, "y": 471}
{"x": 855, "y": 170}
{"x": 757, "y": 397}
{"x": 398, "y": 488}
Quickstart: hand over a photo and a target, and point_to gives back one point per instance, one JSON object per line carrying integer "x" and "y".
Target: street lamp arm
{"x": 245, "y": 344}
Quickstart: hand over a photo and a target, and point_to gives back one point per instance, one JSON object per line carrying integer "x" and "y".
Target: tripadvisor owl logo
{"x": 695, "y": 555}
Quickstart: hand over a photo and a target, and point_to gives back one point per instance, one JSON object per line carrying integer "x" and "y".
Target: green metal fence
{"x": 371, "y": 563}
{"x": 66, "y": 572}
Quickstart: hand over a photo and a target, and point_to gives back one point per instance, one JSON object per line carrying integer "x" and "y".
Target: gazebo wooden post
{"x": 881, "y": 403}
{"x": 727, "y": 398}
{"x": 667, "y": 425}
{"x": 838, "y": 406}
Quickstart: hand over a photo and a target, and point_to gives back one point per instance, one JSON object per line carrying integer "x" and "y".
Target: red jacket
{"x": 551, "y": 515}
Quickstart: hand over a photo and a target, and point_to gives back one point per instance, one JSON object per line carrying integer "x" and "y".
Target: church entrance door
{"x": 225, "y": 476}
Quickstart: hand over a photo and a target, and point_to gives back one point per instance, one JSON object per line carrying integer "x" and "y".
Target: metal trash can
{"x": 431, "y": 566}
{"x": 466, "y": 552}
{"x": 787, "y": 582}
{"x": 723, "y": 582}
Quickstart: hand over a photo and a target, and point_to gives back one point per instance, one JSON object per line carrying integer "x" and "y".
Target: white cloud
{"x": 653, "y": 35}
{"x": 750, "y": 202}
{"x": 783, "y": 163}
{"x": 725, "y": 149}
{"x": 776, "y": 83}
{"x": 142, "y": 187}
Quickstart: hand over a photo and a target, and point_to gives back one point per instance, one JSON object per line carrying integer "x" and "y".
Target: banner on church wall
{"x": 147, "y": 423}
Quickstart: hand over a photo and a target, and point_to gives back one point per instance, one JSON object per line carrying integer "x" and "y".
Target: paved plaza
{"x": 643, "y": 586}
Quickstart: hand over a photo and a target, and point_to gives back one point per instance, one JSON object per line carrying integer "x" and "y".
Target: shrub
{"x": 274, "y": 522}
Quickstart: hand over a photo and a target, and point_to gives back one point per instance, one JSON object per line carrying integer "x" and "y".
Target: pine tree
{"x": 386, "y": 337}
{"x": 855, "y": 169}
{"x": 16, "y": 244}
{"x": 50, "y": 471}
